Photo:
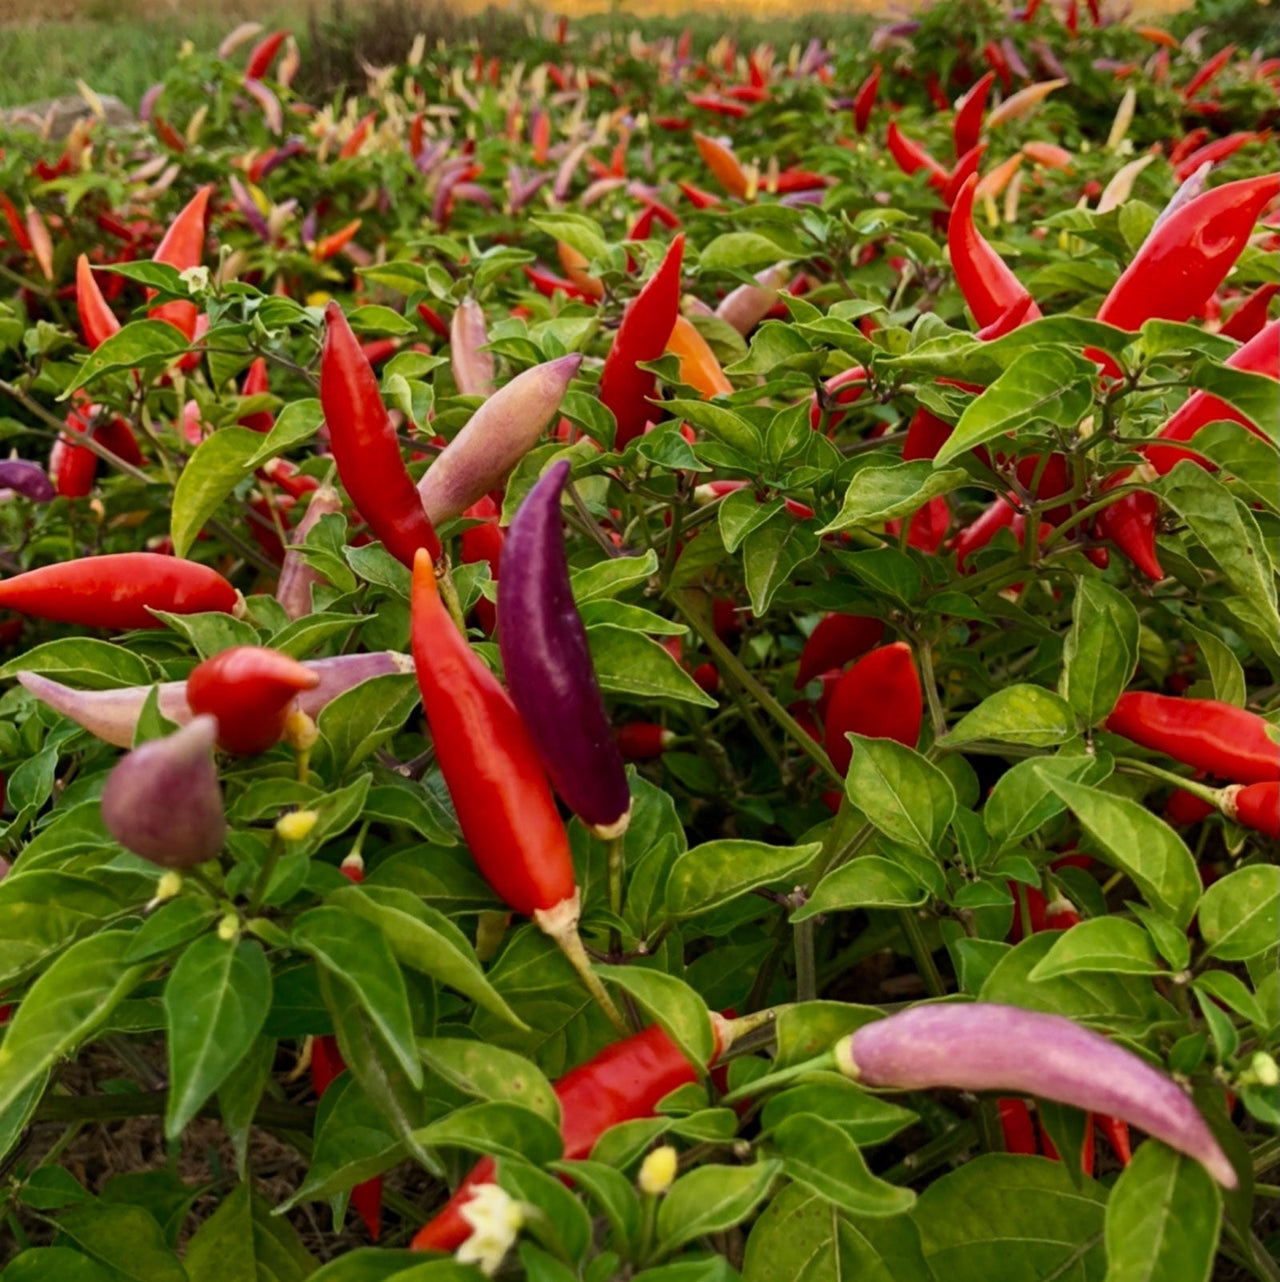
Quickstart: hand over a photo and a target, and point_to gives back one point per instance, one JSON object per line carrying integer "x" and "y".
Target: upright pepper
{"x": 250, "y": 690}
{"x": 878, "y": 697}
{"x": 911, "y": 157}
{"x": 263, "y": 54}
{"x": 548, "y": 664}
{"x": 698, "y": 365}
{"x": 643, "y": 335}
{"x": 472, "y": 367}
{"x": 623, "y": 1082}
{"x": 1218, "y": 738}
{"x": 967, "y": 126}
{"x": 365, "y": 448}
{"x": 865, "y": 99}
{"x": 745, "y": 307}
{"x": 118, "y": 591}
{"x": 183, "y": 248}
{"x": 97, "y": 320}
{"x": 988, "y": 285}
{"x": 724, "y": 165}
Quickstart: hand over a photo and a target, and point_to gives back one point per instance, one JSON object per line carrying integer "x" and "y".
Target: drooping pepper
{"x": 865, "y": 99}
{"x": 548, "y": 664}
{"x": 988, "y": 285}
{"x": 1131, "y": 523}
{"x": 97, "y": 320}
{"x": 698, "y": 365}
{"x": 365, "y": 448}
{"x": 162, "y": 801}
{"x": 1218, "y": 738}
{"x": 118, "y": 591}
{"x": 642, "y": 336}
{"x": 623, "y": 1082}
{"x": 250, "y": 690}
{"x": 838, "y": 639}
{"x": 879, "y": 697}
{"x": 1250, "y": 318}
{"x": 911, "y": 157}
{"x": 985, "y": 1046}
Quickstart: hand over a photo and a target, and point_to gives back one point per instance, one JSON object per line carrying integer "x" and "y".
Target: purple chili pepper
{"x": 474, "y": 193}
{"x": 598, "y": 190}
{"x": 252, "y": 214}
{"x": 793, "y": 199}
{"x": 294, "y": 147}
{"x": 1014, "y": 58}
{"x": 1190, "y": 189}
{"x": 1049, "y": 60}
{"x": 985, "y": 1046}
{"x": 548, "y": 664}
{"x": 163, "y": 800}
{"x": 148, "y": 103}
{"x": 521, "y": 195}
{"x": 430, "y": 157}
{"x": 28, "y": 479}
{"x": 309, "y": 226}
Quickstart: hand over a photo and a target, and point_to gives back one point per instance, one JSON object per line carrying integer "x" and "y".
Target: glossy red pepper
{"x": 1131, "y": 523}
{"x": 547, "y": 283}
{"x": 1213, "y": 152}
{"x": 97, "y": 320}
{"x": 1248, "y": 320}
{"x": 1117, "y": 1134}
{"x": 255, "y": 384}
{"x": 1186, "y": 145}
{"x": 1017, "y": 1127}
{"x": 365, "y": 447}
{"x": 72, "y": 466}
{"x": 1184, "y": 260}
{"x": 115, "y": 591}
{"x": 263, "y": 55}
{"x": 838, "y": 639}
{"x": 183, "y": 248}
{"x": 989, "y": 287}
{"x": 1218, "y": 738}
{"x": 967, "y": 126}
{"x": 483, "y": 542}
{"x": 698, "y": 198}
{"x": 865, "y": 99}
{"x": 841, "y": 389}
{"x": 1207, "y": 72}
{"x": 643, "y": 741}
{"x": 1256, "y": 806}
{"x": 994, "y": 57}
{"x": 623, "y": 1082}
{"x": 911, "y": 157}
{"x": 250, "y": 689}
{"x": 643, "y": 335}
{"x": 1086, "y": 1149}
{"x": 966, "y": 166}
{"x": 880, "y": 698}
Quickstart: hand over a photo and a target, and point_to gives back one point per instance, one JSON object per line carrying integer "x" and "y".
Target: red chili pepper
{"x": 365, "y": 447}
{"x": 1207, "y": 72}
{"x": 646, "y": 327}
{"x": 117, "y": 436}
{"x": 1018, "y": 1129}
{"x": 698, "y": 198}
{"x": 878, "y": 697}
{"x": 1184, "y": 808}
{"x": 115, "y": 591}
{"x": 504, "y": 803}
{"x": 1131, "y": 523}
{"x": 97, "y": 320}
{"x": 17, "y": 228}
{"x": 1218, "y": 738}
{"x": 1117, "y": 1134}
{"x": 327, "y": 246}
{"x": 1247, "y": 320}
{"x": 1072, "y": 19}
{"x": 865, "y": 99}
{"x": 837, "y": 640}
{"x": 1212, "y": 152}
{"x": 673, "y": 124}
{"x": 994, "y": 57}
{"x": 327, "y": 1064}
{"x": 249, "y": 689}
{"x": 1086, "y": 1149}
{"x": 1257, "y": 807}
{"x": 933, "y": 87}
{"x": 433, "y": 320}
{"x": 724, "y": 165}
{"x": 927, "y": 528}
{"x": 911, "y": 157}
{"x": 546, "y": 282}
{"x": 356, "y": 139}
{"x": 667, "y": 217}
{"x": 841, "y": 389}
{"x": 263, "y": 55}
{"x": 1186, "y": 145}
{"x": 72, "y": 466}
{"x": 967, "y": 125}
{"x": 1000, "y": 515}
{"x": 988, "y": 285}
{"x": 183, "y": 248}
{"x": 966, "y": 166}
{"x": 168, "y": 134}
{"x": 709, "y": 102}
{"x": 642, "y": 741}
{"x": 623, "y": 1082}
{"x": 926, "y": 435}
{"x": 643, "y": 225}
{"x": 1188, "y": 256}
{"x": 483, "y": 542}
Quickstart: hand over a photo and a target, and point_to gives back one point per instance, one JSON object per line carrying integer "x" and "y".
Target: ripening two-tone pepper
{"x": 250, "y": 690}
{"x": 363, "y": 440}
{"x": 624, "y": 1082}
{"x": 547, "y": 663}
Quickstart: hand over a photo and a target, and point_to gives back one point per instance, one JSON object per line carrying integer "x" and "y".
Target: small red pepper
{"x": 878, "y": 697}
{"x": 1207, "y": 72}
{"x": 97, "y": 320}
{"x": 249, "y": 689}
{"x": 642, "y": 741}
{"x": 255, "y": 384}
{"x": 1256, "y": 807}
{"x": 1018, "y": 1128}
{"x": 967, "y": 125}
{"x": 183, "y": 248}
{"x": 837, "y": 640}
{"x": 698, "y": 198}
{"x": 263, "y": 55}
{"x": 1186, "y": 145}
{"x": 1218, "y": 738}
{"x": 865, "y": 99}
{"x": 1131, "y": 523}
{"x": 1248, "y": 319}
{"x": 911, "y": 157}
{"x": 327, "y": 1064}
{"x": 365, "y": 447}
{"x": 1117, "y": 1134}
{"x": 1212, "y": 152}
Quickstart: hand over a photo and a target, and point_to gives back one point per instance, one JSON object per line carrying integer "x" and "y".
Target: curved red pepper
{"x": 1207, "y": 72}
{"x": 255, "y": 384}
{"x": 623, "y": 1082}
{"x": 965, "y": 166}
{"x": 643, "y": 741}
{"x": 1212, "y": 152}
{"x": 989, "y": 287}
{"x": 263, "y": 55}
{"x": 327, "y": 1064}
{"x": 504, "y": 803}
{"x": 1131, "y": 523}
{"x": 911, "y": 157}
{"x": 926, "y": 435}
{"x": 365, "y": 447}
{"x": 118, "y": 591}
{"x": 646, "y": 327}
{"x": 249, "y": 689}
{"x": 878, "y": 697}
{"x": 1248, "y": 320}
{"x": 97, "y": 320}
{"x": 1258, "y": 807}
{"x": 183, "y": 248}
{"x": 865, "y": 99}
{"x": 967, "y": 126}
{"x": 1218, "y": 738}
{"x": 838, "y": 639}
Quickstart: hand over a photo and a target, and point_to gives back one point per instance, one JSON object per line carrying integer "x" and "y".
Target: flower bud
{"x": 163, "y": 800}
{"x": 169, "y": 885}
{"x": 300, "y": 731}
{"x": 296, "y": 825}
{"x": 657, "y": 1171}
{"x": 228, "y": 928}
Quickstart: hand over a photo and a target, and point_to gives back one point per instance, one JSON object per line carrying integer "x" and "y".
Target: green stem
{"x": 806, "y": 970}
{"x": 617, "y": 860}
{"x": 115, "y": 1108}
{"x": 1205, "y": 793}
{"x": 449, "y": 594}
{"x": 826, "y": 1062}
{"x": 264, "y": 877}
{"x": 935, "y": 1153}
{"x": 910, "y": 924}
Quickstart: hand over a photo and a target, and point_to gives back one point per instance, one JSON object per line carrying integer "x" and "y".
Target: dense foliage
{"x": 886, "y": 747}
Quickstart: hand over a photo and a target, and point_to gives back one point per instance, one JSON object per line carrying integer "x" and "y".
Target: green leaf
{"x": 673, "y": 1004}
{"x": 904, "y": 795}
{"x": 711, "y": 1199}
{"x": 361, "y": 719}
{"x": 866, "y": 882}
{"x": 496, "y": 1127}
{"x": 1022, "y": 801}
{"x": 865, "y": 1118}
{"x": 721, "y": 423}
{"x": 221, "y": 461}
{"x": 1019, "y": 1219}
{"x": 56, "y": 1264}
{"x": 806, "y": 1029}
{"x": 1240, "y": 913}
{"x": 125, "y": 1238}
{"x": 147, "y": 345}
{"x": 1046, "y": 386}
{"x": 821, "y": 1156}
{"x": 1163, "y": 1219}
{"x": 83, "y": 662}
{"x": 717, "y": 872}
{"x": 561, "y": 1224}
{"x": 1105, "y": 944}
{"x": 1253, "y": 394}
{"x": 1225, "y": 672}
{"x": 1024, "y": 714}
{"x": 771, "y": 554}
{"x": 611, "y": 576}
{"x": 628, "y": 663}
{"x": 357, "y": 952}
{"x": 490, "y": 1072}
{"x": 425, "y": 940}
{"x": 243, "y": 1240}
{"x": 240, "y": 1094}
{"x": 744, "y": 250}
{"x": 1101, "y": 650}
{"x": 881, "y": 491}
{"x": 216, "y": 1001}
{"x": 64, "y": 1007}
{"x": 1254, "y": 463}
{"x": 1139, "y": 844}
{"x": 610, "y": 1190}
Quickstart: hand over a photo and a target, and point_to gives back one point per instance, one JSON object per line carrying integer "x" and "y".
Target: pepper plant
{"x": 660, "y": 663}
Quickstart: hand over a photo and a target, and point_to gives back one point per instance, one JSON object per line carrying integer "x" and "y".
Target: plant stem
{"x": 264, "y": 877}
{"x": 115, "y": 1108}
{"x": 806, "y": 970}
{"x": 449, "y": 594}
{"x": 910, "y": 924}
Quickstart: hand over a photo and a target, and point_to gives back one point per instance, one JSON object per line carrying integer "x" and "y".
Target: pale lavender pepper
{"x": 986, "y": 1046}
{"x": 548, "y": 664}
{"x": 293, "y": 588}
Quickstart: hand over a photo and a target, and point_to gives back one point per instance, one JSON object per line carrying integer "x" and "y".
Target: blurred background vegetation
{"x": 123, "y": 46}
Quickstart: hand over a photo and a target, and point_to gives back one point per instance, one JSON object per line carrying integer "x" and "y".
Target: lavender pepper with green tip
{"x": 548, "y": 664}
{"x": 986, "y": 1046}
